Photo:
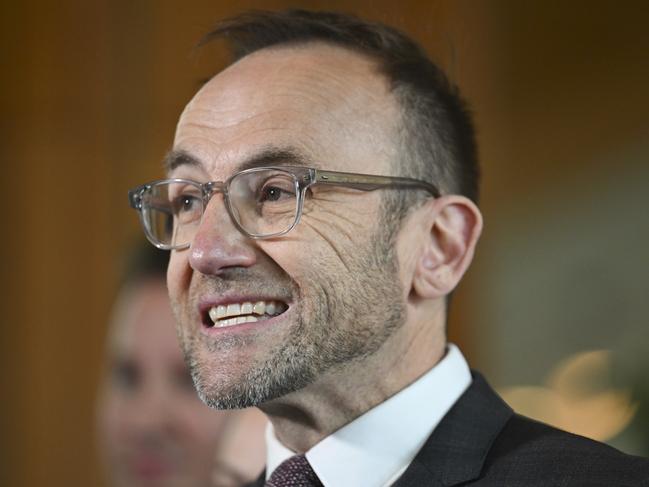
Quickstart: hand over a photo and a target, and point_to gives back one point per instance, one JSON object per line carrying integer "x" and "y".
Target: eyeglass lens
{"x": 262, "y": 202}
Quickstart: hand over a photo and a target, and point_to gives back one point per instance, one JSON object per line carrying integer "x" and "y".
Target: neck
{"x": 303, "y": 418}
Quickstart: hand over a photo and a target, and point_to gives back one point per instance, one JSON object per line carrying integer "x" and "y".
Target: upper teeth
{"x": 244, "y": 312}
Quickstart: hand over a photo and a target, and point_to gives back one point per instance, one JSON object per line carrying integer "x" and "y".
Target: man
{"x": 307, "y": 286}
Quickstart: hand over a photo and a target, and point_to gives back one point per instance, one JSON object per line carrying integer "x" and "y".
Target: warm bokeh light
{"x": 578, "y": 397}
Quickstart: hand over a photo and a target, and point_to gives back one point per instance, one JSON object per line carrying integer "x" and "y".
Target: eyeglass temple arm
{"x": 135, "y": 200}
{"x": 135, "y": 197}
{"x": 366, "y": 182}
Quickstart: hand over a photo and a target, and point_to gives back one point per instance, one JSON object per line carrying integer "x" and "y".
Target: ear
{"x": 454, "y": 225}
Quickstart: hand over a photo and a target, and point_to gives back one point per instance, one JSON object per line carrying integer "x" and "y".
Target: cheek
{"x": 317, "y": 245}
{"x": 178, "y": 273}
{"x": 110, "y": 424}
{"x": 340, "y": 228}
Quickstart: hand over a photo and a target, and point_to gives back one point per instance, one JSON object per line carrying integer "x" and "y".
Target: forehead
{"x": 325, "y": 102}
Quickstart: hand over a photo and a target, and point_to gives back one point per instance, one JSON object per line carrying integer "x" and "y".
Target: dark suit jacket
{"x": 482, "y": 442}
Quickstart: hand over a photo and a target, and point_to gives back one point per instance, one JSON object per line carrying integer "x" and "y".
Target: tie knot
{"x": 294, "y": 472}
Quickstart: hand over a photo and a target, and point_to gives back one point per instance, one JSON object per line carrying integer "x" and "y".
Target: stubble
{"x": 340, "y": 318}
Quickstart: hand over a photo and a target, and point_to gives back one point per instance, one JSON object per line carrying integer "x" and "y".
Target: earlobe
{"x": 454, "y": 224}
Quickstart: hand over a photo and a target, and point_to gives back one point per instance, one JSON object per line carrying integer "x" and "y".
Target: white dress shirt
{"x": 376, "y": 448}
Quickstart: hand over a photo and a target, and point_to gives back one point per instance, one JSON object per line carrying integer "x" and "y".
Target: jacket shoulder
{"x": 527, "y": 450}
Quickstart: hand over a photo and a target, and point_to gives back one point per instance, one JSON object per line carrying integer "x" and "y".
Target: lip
{"x": 151, "y": 467}
{"x": 205, "y": 304}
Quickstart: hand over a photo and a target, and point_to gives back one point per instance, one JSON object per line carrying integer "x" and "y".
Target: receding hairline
{"x": 380, "y": 103}
{"x": 363, "y": 57}
{"x": 372, "y": 63}
{"x": 257, "y": 30}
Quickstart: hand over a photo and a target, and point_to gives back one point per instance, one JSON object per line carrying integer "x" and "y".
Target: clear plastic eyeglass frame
{"x": 303, "y": 177}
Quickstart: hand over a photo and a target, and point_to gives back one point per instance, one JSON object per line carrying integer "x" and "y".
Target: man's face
{"x": 334, "y": 277}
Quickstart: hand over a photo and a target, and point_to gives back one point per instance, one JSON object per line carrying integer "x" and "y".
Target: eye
{"x": 125, "y": 375}
{"x": 271, "y": 193}
{"x": 185, "y": 203}
{"x": 276, "y": 189}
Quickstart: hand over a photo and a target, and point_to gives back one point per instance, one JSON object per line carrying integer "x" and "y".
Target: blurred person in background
{"x": 153, "y": 430}
{"x": 240, "y": 454}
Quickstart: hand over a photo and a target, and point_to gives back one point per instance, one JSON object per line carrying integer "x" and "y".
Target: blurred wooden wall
{"x": 90, "y": 95}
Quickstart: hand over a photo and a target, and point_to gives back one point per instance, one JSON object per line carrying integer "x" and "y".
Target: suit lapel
{"x": 457, "y": 449}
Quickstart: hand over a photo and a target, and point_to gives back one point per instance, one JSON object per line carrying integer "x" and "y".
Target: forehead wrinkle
{"x": 209, "y": 121}
{"x": 240, "y": 113}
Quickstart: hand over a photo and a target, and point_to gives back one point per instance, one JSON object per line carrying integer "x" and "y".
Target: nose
{"x": 148, "y": 416}
{"x": 218, "y": 244}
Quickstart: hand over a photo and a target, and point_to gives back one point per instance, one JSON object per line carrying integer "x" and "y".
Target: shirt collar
{"x": 377, "y": 447}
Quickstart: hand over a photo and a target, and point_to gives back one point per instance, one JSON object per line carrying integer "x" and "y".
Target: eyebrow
{"x": 268, "y": 156}
{"x": 176, "y": 158}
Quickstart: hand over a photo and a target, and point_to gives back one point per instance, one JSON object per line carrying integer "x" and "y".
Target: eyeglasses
{"x": 263, "y": 202}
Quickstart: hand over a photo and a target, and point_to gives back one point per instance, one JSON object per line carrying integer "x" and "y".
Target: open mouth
{"x": 246, "y": 312}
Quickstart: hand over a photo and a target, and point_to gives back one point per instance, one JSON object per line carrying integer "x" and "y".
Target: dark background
{"x": 90, "y": 93}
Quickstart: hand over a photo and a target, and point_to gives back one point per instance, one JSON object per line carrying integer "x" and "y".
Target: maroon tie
{"x": 294, "y": 472}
